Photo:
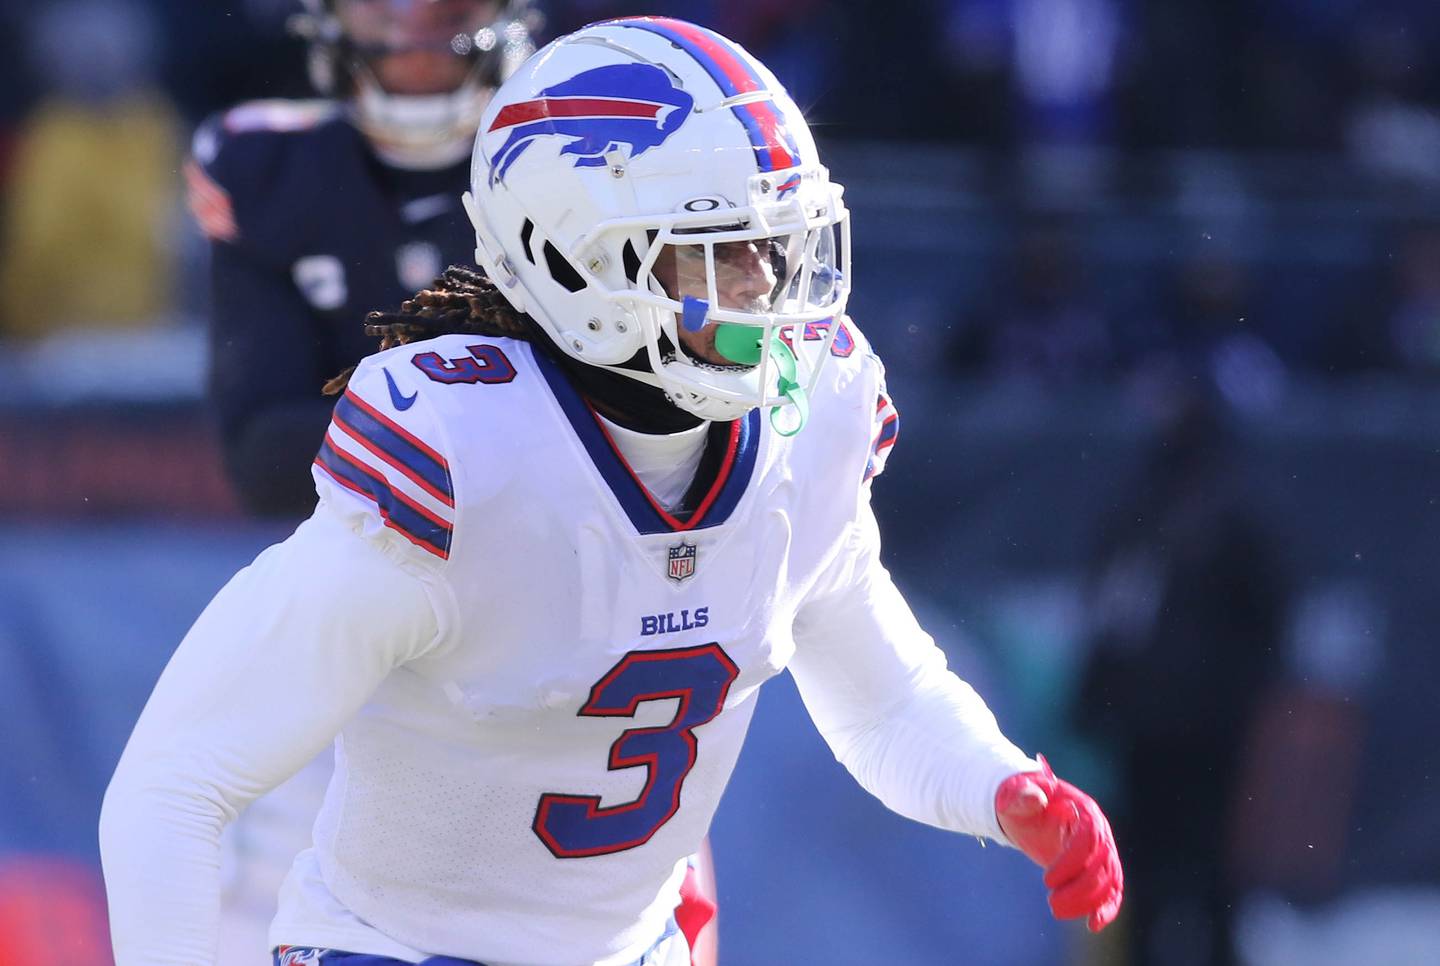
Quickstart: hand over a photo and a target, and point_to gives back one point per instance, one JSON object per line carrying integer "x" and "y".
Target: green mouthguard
{"x": 741, "y": 345}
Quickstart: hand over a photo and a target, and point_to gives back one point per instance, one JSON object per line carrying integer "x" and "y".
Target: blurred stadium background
{"x": 1158, "y": 286}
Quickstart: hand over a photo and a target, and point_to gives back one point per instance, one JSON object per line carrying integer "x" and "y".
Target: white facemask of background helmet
{"x": 409, "y": 129}
{"x": 626, "y": 138}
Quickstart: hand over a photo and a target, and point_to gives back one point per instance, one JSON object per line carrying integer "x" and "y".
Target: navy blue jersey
{"x": 309, "y": 232}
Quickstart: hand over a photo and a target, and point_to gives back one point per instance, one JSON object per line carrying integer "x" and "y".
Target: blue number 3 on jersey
{"x": 575, "y": 826}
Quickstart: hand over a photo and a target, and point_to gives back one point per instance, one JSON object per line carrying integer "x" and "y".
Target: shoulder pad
{"x": 847, "y": 338}
{"x": 237, "y": 157}
{"x": 277, "y": 116}
{"x": 259, "y": 173}
{"x": 862, "y": 371}
{"x": 383, "y": 463}
{"x": 258, "y": 117}
{"x": 843, "y": 360}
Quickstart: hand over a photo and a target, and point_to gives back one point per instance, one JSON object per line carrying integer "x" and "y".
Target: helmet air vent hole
{"x": 526, "y": 230}
{"x": 631, "y": 262}
{"x": 561, "y": 270}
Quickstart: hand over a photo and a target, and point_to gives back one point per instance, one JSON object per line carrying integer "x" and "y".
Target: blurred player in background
{"x": 320, "y": 210}
{"x": 560, "y": 545}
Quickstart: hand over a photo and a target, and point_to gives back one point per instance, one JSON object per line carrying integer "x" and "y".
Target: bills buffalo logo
{"x": 596, "y": 111}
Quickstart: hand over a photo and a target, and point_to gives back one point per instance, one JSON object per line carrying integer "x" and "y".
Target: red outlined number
{"x": 486, "y": 364}
{"x": 575, "y": 826}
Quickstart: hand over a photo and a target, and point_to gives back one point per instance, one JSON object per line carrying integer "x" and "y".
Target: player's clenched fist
{"x": 1065, "y": 833}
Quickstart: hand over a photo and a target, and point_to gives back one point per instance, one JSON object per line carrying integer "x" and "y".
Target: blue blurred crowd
{"x": 1271, "y": 74}
{"x": 1075, "y": 112}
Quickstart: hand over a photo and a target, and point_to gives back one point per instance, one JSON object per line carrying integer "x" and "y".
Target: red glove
{"x": 1065, "y": 833}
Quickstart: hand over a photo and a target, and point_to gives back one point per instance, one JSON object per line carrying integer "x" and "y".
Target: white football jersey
{"x": 541, "y": 678}
{"x": 581, "y": 722}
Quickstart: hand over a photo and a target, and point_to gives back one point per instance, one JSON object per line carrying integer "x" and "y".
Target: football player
{"x": 320, "y": 210}
{"x": 571, "y": 519}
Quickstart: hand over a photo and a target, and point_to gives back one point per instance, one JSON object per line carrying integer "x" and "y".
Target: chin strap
{"x": 739, "y": 344}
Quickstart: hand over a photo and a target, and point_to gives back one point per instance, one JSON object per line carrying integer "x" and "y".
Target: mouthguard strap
{"x": 740, "y": 345}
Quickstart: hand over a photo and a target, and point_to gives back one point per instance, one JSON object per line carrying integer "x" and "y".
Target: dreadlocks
{"x": 461, "y": 300}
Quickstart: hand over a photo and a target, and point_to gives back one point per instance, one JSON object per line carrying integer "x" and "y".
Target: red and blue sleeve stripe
{"x": 395, "y": 446}
{"x": 401, "y": 513}
{"x": 889, "y": 418}
{"x": 775, "y": 147}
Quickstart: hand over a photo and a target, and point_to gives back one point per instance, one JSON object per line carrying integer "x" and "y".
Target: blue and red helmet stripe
{"x": 775, "y": 147}
{"x": 523, "y": 112}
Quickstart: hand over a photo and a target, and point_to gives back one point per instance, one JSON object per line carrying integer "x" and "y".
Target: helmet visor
{"x": 746, "y": 273}
{"x": 791, "y": 274}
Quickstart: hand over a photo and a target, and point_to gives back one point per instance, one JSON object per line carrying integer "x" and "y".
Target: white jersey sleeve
{"x": 382, "y": 467}
{"x": 287, "y": 651}
{"x": 877, "y": 687}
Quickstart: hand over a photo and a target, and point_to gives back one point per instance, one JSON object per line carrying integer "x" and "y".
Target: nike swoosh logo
{"x": 423, "y": 209}
{"x": 402, "y": 402}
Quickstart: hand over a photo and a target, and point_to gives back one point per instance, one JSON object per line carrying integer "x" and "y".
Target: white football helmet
{"x": 630, "y": 137}
{"x": 419, "y": 131}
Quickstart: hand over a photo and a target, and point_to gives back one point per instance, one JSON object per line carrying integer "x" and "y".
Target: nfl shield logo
{"x": 682, "y": 561}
